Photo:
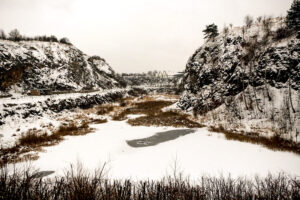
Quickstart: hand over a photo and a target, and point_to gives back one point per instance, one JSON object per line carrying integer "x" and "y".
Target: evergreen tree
{"x": 65, "y": 41}
{"x": 211, "y": 31}
{"x": 293, "y": 16}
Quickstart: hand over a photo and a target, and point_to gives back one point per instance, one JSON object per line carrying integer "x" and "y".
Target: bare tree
{"x": 252, "y": 74}
{"x": 2, "y": 34}
{"x": 243, "y": 83}
{"x": 15, "y": 35}
{"x": 243, "y": 32}
{"x": 266, "y": 86}
{"x": 267, "y": 25}
{"x": 290, "y": 96}
{"x": 248, "y": 21}
{"x": 225, "y": 32}
{"x": 258, "y": 19}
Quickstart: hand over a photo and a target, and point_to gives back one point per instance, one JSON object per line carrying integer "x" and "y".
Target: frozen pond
{"x": 159, "y": 138}
{"x": 195, "y": 152}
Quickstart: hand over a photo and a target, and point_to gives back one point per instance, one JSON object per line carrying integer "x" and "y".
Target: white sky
{"x": 133, "y": 35}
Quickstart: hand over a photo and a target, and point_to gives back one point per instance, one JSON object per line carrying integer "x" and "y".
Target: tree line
{"x": 292, "y": 24}
{"x": 16, "y": 36}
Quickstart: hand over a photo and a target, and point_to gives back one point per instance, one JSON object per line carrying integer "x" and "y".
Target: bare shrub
{"x": 248, "y": 21}
{"x": 73, "y": 129}
{"x": 258, "y": 19}
{"x": 147, "y": 107}
{"x": 102, "y": 110}
{"x": 123, "y": 103}
{"x": 78, "y": 184}
{"x": 34, "y": 139}
{"x": 233, "y": 107}
{"x": 99, "y": 121}
{"x": 266, "y": 21}
{"x": 165, "y": 119}
{"x": 275, "y": 142}
{"x": 2, "y": 34}
{"x": 225, "y": 30}
{"x": 15, "y": 35}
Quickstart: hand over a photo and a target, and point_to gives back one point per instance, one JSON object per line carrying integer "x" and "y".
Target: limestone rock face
{"x": 246, "y": 76}
{"x": 233, "y": 61}
{"x": 34, "y": 64}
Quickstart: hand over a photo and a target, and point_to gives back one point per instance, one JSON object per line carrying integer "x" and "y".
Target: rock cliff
{"x": 27, "y": 65}
{"x": 244, "y": 74}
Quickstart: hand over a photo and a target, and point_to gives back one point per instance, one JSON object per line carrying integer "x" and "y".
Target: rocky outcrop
{"x": 227, "y": 65}
{"x": 84, "y": 101}
{"x": 246, "y": 67}
{"x": 27, "y": 65}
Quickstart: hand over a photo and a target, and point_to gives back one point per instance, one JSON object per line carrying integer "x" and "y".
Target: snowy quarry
{"x": 199, "y": 153}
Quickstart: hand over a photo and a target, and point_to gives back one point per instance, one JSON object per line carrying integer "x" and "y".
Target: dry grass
{"x": 150, "y": 107}
{"x": 161, "y": 96}
{"x": 78, "y": 184}
{"x": 145, "y": 107}
{"x": 155, "y": 116}
{"x": 73, "y": 129}
{"x": 165, "y": 119}
{"x": 98, "y": 121}
{"x": 102, "y": 110}
{"x": 274, "y": 143}
{"x": 34, "y": 139}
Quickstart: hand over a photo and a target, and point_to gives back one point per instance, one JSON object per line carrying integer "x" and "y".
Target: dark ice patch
{"x": 159, "y": 138}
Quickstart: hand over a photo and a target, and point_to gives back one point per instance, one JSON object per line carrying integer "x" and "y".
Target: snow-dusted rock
{"x": 27, "y": 65}
{"x": 249, "y": 69}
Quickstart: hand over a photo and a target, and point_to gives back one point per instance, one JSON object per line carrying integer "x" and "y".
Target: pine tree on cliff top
{"x": 211, "y": 31}
{"x": 293, "y": 16}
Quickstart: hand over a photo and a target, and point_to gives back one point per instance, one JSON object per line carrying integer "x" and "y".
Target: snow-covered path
{"x": 19, "y": 99}
{"x": 195, "y": 154}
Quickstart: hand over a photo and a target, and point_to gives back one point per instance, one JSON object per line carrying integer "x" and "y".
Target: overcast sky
{"x": 133, "y": 35}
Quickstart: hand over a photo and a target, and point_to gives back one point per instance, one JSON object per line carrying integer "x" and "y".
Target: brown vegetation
{"x": 155, "y": 116}
{"x": 145, "y": 107}
{"x": 102, "y": 110}
{"x": 98, "y": 121}
{"x": 169, "y": 118}
{"x": 34, "y": 139}
{"x": 78, "y": 184}
{"x": 275, "y": 142}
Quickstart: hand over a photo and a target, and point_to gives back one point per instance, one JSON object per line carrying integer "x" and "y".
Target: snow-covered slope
{"x": 29, "y": 65}
{"x": 19, "y": 114}
{"x": 247, "y": 78}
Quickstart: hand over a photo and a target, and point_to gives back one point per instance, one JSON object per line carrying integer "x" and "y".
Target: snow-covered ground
{"x": 19, "y": 99}
{"x": 16, "y": 124}
{"x": 195, "y": 154}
